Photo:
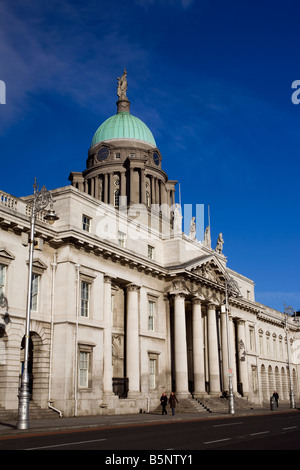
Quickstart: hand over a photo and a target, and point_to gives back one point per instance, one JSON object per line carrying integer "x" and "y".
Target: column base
{"x": 215, "y": 394}
{"x": 108, "y": 399}
{"x": 184, "y": 394}
{"x": 202, "y": 395}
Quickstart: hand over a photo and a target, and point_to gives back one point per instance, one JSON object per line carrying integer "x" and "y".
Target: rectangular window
{"x": 84, "y": 359}
{"x": 274, "y": 347}
{"x": 254, "y": 378}
{"x": 150, "y": 252}
{"x": 85, "y": 299}
{"x": 261, "y": 349}
{"x": 252, "y": 339}
{"x": 121, "y": 239}
{"x": 152, "y": 374}
{"x": 280, "y": 349}
{"x": 268, "y": 346}
{"x": 86, "y": 223}
{"x": 151, "y": 311}
{"x": 2, "y": 280}
{"x": 34, "y": 292}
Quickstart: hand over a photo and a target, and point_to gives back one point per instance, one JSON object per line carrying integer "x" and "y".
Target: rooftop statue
{"x": 122, "y": 86}
{"x": 207, "y": 237}
{"x": 192, "y": 233}
{"x": 220, "y": 243}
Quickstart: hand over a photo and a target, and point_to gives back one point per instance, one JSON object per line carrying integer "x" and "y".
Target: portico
{"x": 200, "y": 327}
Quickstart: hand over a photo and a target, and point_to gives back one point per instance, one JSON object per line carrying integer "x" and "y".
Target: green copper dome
{"x": 123, "y": 125}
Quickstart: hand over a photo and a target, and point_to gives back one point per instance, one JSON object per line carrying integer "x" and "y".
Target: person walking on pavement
{"x": 173, "y": 400}
{"x": 164, "y": 402}
{"x": 276, "y": 397}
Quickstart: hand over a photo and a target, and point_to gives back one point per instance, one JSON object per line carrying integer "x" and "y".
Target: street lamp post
{"x": 41, "y": 199}
{"x": 289, "y": 311}
{"x": 231, "y": 288}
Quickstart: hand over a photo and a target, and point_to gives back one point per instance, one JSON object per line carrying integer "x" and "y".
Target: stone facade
{"x": 126, "y": 306}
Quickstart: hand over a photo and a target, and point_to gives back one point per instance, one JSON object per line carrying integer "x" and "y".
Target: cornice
{"x": 114, "y": 253}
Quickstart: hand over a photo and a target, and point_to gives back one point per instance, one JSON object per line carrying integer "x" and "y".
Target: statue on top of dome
{"x": 122, "y": 86}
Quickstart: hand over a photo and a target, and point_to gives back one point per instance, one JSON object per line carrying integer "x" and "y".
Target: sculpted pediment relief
{"x": 207, "y": 272}
{"x": 179, "y": 285}
{"x": 209, "y": 269}
{"x": 192, "y": 291}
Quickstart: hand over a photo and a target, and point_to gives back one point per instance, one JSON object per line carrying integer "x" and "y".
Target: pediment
{"x": 38, "y": 266}
{"x": 208, "y": 267}
{"x": 5, "y": 256}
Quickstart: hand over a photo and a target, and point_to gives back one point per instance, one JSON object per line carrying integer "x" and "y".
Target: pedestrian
{"x": 173, "y": 400}
{"x": 276, "y": 397}
{"x": 164, "y": 402}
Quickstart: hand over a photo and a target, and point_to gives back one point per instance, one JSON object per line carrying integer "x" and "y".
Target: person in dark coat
{"x": 276, "y": 397}
{"x": 173, "y": 400}
{"x": 164, "y": 402}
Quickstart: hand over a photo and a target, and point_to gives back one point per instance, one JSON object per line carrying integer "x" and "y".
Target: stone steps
{"x": 208, "y": 405}
{"x": 35, "y": 412}
{"x": 215, "y": 405}
{"x": 184, "y": 405}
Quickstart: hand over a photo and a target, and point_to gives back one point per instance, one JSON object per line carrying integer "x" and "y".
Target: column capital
{"x": 196, "y": 301}
{"x": 179, "y": 295}
{"x": 211, "y": 306}
{"x": 108, "y": 279}
{"x": 178, "y": 287}
{"x": 132, "y": 287}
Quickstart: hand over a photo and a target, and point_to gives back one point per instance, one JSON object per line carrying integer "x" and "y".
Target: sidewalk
{"x": 49, "y": 425}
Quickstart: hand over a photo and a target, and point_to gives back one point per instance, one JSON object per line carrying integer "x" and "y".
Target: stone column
{"x": 213, "y": 358}
{"x": 198, "y": 351}
{"x": 153, "y": 193}
{"x": 242, "y": 361}
{"x": 123, "y": 197}
{"x": 181, "y": 370}
{"x": 232, "y": 354}
{"x": 131, "y": 187}
{"x": 156, "y": 191}
{"x": 132, "y": 340}
{"x": 97, "y": 187}
{"x": 92, "y": 186}
{"x": 224, "y": 351}
{"x": 168, "y": 374}
{"x": 107, "y": 338}
{"x": 105, "y": 198}
{"x": 111, "y": 189}
{"x": 143, "y": 187}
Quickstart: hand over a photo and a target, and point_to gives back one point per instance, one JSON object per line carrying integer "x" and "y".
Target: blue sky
{"x": 211, "y": 79}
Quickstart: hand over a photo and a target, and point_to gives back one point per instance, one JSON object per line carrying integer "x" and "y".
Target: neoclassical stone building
{"x": 125, "y": 305}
